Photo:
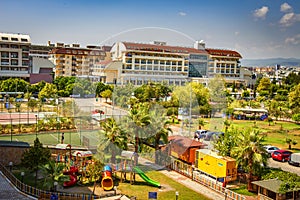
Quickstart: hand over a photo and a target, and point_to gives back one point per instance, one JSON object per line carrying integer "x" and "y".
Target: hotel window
{"x": 155, "y": 68}
{"x": 174, "y": 69}
{"x": 14, "y": 54}
{"x": 143, "y": 67}
{"x": 136, "y": 67}
{"x": 14, "y": 46}
{"x": 4, "y": 38}
{"x": 149, "y": 67}
{"x": 162, "y": 68}
{"x": 24, "y": 40}
{"x": 168, "y": 69}
{"x": 14, "y": 39}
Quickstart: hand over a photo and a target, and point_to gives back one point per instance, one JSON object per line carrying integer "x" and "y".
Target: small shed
{"x": 269, "y": 189}
{"x": 184, "y": 148}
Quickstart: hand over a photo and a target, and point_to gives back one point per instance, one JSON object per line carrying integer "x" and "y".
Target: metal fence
{"x": 190, "y": 172}
{"x": 43, "y": 194}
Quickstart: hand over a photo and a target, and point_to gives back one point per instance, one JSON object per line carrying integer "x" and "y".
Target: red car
{"x": 281, "y": 155}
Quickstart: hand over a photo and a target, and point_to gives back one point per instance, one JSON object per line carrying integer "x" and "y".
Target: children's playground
{"x": 78, "y": 163}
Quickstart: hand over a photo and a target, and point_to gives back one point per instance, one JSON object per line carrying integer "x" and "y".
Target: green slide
{"x": 146, "y": 178}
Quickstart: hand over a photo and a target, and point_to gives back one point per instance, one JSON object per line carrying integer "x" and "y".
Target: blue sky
{"x": 255, "y": 28}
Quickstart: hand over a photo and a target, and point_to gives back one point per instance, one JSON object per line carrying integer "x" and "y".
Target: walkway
{"x": 197, "y": 187}
{"x": 8, "y": 191}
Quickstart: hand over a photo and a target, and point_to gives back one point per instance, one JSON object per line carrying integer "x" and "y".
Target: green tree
{"x": 264, "y": 86}
{"x": 32, "y": 104}
{"x": 95, "y": 172}
{"x": 290, "y": 142}
{"x": 250, "y": 153}
{"x": 48, "y": 91}
{"x": 53, "y": 172}
{"x": 114, "y": 138}
{"x": 294, "y": 99}
{"x": 35, "y": 156}
{"x": 201, "y": 123}
{"x": 107, "y": 94}
{"x": 137, "y": 121}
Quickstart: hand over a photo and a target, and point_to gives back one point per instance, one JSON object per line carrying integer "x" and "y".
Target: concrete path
{"x": 8, "y": 191}
{"x": 197, "y": 187}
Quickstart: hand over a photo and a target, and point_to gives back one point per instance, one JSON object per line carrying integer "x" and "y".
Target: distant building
{"x": 71, "y": 60}
{"x": 139, "y": 63}
{"x": 14, "y": 55}
{"x": 224, "y": 62}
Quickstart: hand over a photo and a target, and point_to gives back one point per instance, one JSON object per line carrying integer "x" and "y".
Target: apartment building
{"x": 224, "y": 62}
{"x": 75, "y": 61}
{"x": 139, "y": 63}
{"x": 14, "y": 55}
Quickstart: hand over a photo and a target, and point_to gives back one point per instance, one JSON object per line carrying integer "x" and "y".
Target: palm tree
{"x": 114, "y": 138}
{"x": 138, "y": 119}
{"x": 201, "y": 123}
{"x": 250, "y": 153}
{"x": 226, "y": 124}
{"x": 53, "y": 172}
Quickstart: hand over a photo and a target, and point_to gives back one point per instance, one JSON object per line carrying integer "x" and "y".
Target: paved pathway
{"x": 9, "y": 192}
{"x": 197, "y": 187}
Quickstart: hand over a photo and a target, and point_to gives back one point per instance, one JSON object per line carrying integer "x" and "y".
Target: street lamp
{"x": 176, "y": 195}
{"x": 115, "y": 190}
{"x": 55, "y": 186}
{"x": 36, "y": 124}
{"x": 10, "y": 164}
{"x": 22, "y": 176}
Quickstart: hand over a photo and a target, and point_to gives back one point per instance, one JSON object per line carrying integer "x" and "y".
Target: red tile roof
{"x": 162, "y": 48}
{"x": 223, "y": 52}
{"x": 185, "y": 142}
{"x": 73, "y": 51}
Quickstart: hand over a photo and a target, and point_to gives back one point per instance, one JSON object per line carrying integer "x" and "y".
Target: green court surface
{"x": 87, "y": 138}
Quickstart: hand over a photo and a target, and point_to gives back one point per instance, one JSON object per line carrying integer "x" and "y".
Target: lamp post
{"x": 36, "y": 124}
{"x": 55, "y": 186}
{"x": 115, "y": 190}
{"x": 22, "y": 176}
{"x": 176, "y": 195}
{"x": 10, "y": 164}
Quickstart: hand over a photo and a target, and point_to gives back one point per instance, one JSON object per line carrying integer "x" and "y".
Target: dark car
{"x": 281, "y": 155}
{"x": 199, "y": 134}
{"x": 212, "y": 135}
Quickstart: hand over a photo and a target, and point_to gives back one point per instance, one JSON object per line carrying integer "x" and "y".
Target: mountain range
{"x": 288, "y": 62}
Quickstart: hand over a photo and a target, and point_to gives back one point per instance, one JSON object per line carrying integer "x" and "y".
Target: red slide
{"x": 73, "y": 177}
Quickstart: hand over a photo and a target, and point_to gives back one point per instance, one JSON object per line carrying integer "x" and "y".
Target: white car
{"x": 270, "y": 149}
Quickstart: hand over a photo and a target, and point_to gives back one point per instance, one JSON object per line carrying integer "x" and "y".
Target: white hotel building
{"x": 139, "y": 63}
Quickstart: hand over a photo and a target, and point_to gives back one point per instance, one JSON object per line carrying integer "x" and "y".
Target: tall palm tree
{"x": 250, "y": 153}
{"x": 138, "y": 119}
{"x": 114, "y": 137}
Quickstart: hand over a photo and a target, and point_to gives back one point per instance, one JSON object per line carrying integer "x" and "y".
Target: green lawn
{"x": 140, "y": 188}
{"x": 53, "y": 138}
{"x": 276, "y": 133}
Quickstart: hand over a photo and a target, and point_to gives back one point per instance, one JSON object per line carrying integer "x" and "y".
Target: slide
{"x": 73, "y": 181}
{"x": 73, "y": 177}
{"x": 107, "y": 182}
{"x": 146, "y": 178}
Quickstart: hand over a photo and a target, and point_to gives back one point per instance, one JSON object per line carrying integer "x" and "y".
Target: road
{"x": 284, "y": 166}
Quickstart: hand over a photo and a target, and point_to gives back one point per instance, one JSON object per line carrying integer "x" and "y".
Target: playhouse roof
{"x": 62, "y": 146}
{"x": 82, "y": 153}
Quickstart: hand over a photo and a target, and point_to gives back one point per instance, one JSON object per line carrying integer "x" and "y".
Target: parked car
{"x": 281, "y": 155}
{"x": 199, "y": 134}
{"x": 270, "y": 149}
{"x": 212, "y": 135}
{"x": 294, "y": 159}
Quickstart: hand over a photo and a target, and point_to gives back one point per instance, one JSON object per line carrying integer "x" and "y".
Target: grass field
{"x": 140, "y": 188}
{"x": 53, "y": 138}
{"x": 276, "y": 133}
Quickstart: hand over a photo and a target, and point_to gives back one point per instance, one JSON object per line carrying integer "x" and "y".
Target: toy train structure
{"x": 189, "y": 156}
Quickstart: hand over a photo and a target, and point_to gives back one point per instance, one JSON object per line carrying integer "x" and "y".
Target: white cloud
{"x": 289, "y": 19}
{"x": 261, "y": 12}
{"x": 285, "y": 7}
{"x": 293, "y": 40}
{"x": 182, "y": 13}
